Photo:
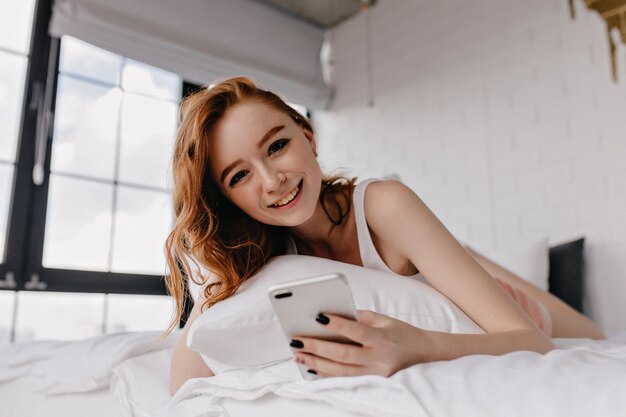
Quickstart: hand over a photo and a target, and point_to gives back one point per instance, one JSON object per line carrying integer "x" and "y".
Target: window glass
{"x": 148, "y": 128}
{"x": 6, "y": 180}
{"x": 108, "y": 205}
{"x": 151, "y": 81}
{"x": 16, "y": 20}
{"x": 134, "y": 313}
{"x": 140, "y": 231}
{"x": 7, "y": 304}
{"x": 12, "y": 75}
{"x": 58, "y": 316}
{"x": 85, "y": 60}
{"x": 85, "y": 128}
{"x": 78, "y": 224}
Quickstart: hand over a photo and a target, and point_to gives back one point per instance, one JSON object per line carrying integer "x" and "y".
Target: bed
{"x": 580, "y": 378}
{"x": 126, "y": 374}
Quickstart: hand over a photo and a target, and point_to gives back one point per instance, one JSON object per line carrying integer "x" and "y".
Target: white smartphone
{"x": 297, "y": 304}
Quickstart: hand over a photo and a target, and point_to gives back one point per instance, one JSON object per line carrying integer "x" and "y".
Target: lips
{"x": 289, "y": 197}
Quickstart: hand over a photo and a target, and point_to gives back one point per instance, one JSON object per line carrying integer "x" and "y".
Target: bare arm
{"x": 404, "y": 226}
{"x": 416, "y": 233}
{"x": 186, "y": 363}
{"x": 567, "y": 321}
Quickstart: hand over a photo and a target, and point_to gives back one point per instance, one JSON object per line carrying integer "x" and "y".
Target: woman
{"x": 247, "y": 186}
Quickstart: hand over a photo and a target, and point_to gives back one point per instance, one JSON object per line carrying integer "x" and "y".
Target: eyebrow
{"x": 264, "y": 139}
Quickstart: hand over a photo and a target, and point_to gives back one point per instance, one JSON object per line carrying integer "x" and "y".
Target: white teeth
{"x": 288, "y": 198}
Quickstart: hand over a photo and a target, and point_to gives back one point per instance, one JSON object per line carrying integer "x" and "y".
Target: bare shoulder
{"x": 397, "y": 215}
{"x": 389, "y": 198}
{"x": 388, "y": 186}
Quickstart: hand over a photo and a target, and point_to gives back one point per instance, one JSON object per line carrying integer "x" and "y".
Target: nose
{"x": 271, "y": 179}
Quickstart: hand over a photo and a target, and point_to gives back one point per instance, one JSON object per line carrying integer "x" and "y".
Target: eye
{"x": 277, "y": 146}
{"x": 237, "y": 177}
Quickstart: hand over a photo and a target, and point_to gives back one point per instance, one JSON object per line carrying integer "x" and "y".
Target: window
{"x": 82, "y": 234}
{"x": 16, "y": 19}
{"x": 84, "y": 247}
{"x": 108, "y": 206}
{"x": 69, "y": 316}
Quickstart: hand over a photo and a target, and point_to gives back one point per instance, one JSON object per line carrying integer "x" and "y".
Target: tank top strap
{"x": 369, "y": 255}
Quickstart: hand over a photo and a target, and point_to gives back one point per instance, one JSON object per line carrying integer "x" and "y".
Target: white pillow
{"x": 243, "y": 331}
{"x": 528, "y": 259}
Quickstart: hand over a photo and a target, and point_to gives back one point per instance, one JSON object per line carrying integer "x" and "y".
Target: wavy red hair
{"x": 209, "y": 230}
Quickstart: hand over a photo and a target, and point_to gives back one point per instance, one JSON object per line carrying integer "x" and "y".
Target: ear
{"x": 311, "y": 138}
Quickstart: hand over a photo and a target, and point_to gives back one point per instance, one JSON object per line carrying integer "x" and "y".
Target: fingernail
{"x": 322, "y": 319}
{"x": 296, "y": 344}
{"x": 312, "y": 371}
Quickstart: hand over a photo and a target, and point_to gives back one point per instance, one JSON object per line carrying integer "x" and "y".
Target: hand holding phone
{"x": 298, "y": 303}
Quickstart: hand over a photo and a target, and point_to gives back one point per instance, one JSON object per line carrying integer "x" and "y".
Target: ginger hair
{"x": 209, "y": 230}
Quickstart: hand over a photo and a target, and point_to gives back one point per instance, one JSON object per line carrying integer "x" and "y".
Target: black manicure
{"x": 312, "y": 371}
{"x": 321, "y": 318}
{"x": 296, "y": 344}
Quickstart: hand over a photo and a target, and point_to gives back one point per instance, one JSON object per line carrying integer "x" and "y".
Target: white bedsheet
{"x": 18, "y": 399}
{"x": 581, "y": 378}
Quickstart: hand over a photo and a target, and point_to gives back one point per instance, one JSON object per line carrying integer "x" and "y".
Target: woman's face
{"x": 265, "y": 164}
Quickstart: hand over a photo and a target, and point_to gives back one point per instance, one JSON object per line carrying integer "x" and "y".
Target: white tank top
{"x": 369, "y": 255}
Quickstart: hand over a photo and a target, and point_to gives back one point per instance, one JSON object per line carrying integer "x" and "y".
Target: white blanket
{"x": 581, "y": 378}
{"x": 584, "y": 378}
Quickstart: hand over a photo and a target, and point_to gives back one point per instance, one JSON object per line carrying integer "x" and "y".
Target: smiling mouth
{"x": 290, "y": 197}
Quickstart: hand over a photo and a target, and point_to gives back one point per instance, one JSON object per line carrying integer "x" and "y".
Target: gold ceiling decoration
{"x": 614, "y": 13}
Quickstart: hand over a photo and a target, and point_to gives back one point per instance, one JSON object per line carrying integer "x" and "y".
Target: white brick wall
{"x": 501, "y": 114}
